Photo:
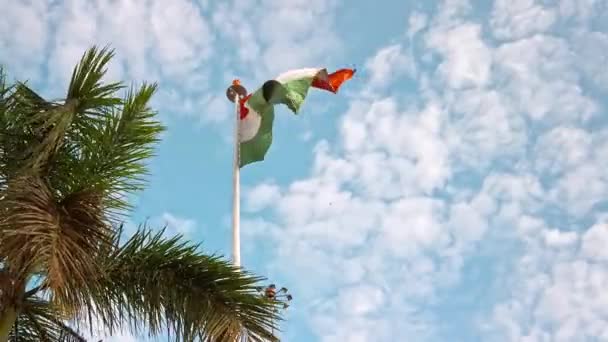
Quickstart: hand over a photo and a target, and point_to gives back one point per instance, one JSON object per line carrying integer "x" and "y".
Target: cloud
{"x": 365, "y": 212}
{"x": 544, "y": 79}
{"x": 561, "y": 149}
{"x": 593, "y": 242}
{"x": 306, "y": 35}
{"x": 521, "y": 18}
{"x": 494, "y": 155}
{"x": 417, "y": 22}
{"x": 466, "y": 58}
{"x": 370, "y": 135}
{"x": 23, "y": 34}
{"x": 98, "y": 333}
{"x": 120, "y": 337}
{"x": 558, "y": 295}
{"x": 208, "y": 46}
{"x": 591, "y": 47}
{"x": 582, "y": 12}
{"x": 388, "y": 64}
{"x": 178, "y": 225}
{"x": 261, "y": 197}
{"x": 150, "y": 43}
{"x": 173, "y": 224}
{"x": 147, "y": 40}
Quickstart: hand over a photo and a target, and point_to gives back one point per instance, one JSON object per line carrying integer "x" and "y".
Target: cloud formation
{"x": 500, "y": 145}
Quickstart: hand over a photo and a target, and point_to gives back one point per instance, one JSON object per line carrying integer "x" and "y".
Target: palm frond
{"x": 167, "y": 284}
{"x": 5, "y": 90}
{"x": 94, "y": 133}
{"x": 32, "y": 128}
{"x": 19, "y": 136}
{"x": 113, "y": 156}
{"x": 39, "y": 321}
{"x": 134, "y": 133}
{"x": 62, "y": 238}
{"x": 86, "y": 86}
{"x": 65, "y": 167}
{"x": 43, "y": 125}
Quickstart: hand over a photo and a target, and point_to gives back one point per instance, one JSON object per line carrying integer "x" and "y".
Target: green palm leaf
{"x": 66, "y": 168}
{"x": 38, "y": 322}
{"x": 166, "y": 283}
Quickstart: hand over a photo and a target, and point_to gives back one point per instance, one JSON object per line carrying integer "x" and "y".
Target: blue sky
{"x": 453, "y": 191}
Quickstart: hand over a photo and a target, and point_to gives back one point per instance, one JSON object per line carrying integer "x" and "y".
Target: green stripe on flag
{"x": 255, "y": 149}
{"x": 292, "y": 93}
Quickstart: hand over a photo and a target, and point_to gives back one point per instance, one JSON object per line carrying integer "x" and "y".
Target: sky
{"x": 452, "y": 191}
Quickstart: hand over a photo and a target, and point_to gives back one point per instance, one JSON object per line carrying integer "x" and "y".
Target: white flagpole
{"x": 236, "y": 188}
{"x": 235, "y": 92}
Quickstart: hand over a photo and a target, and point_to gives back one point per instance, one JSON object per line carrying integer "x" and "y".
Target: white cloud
{"x": 23, "y": 34}
{"x": 573, "y": 157}
{"x": 412, "y": 191}
{"x": 182, "y": 44}
{"x": 417, "y": 22}
{"x": 485, "y": 127}
{"x": 467, "y": 221}
{"x": 594, "y": 243}
{"x": 580, "y": 189}
{"x": 121, "y": 337}
{"x": 582, "y": 11}
{"x": 467, "y": 59}
{"x": 306, "y": 33}
{"x": 306, "y": 135}
{"x": 543, "y": 80}
{"x": 99, "y": 333}
{"x": 520, "y": 18}
{"x": 389, "y": 64}
{"x": 560, "y": 294}
{"x": 410, "y": 226}
{"x": 560, "y": 239}
{"x": 592, "y": 47}
{"x": 562, "y": 149}
{"x": 174, "y": 44}
{"x": 367, "y": 212}
{"x": 178, "y": 225}
{"x": 373, "y": 130}
{"x": 262, "y": 196}
{"x": 149, "y": 42}
{"x": 361, "y": 300}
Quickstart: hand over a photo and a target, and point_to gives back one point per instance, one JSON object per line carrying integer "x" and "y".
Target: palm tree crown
{"x": 65, "y": 170}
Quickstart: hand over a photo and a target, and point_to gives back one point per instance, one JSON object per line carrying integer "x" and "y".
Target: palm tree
{"x": 66, "y": 168}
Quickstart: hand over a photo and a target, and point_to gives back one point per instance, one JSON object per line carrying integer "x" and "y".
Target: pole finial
{"x": 235, "y": 89}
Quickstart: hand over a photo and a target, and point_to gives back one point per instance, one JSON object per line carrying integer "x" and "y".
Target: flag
{"x": 290, "y": 89}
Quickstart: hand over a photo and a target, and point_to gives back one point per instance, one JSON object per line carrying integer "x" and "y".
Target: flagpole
{"x": 236, "y": 189}
{"x": 234, "y": 93}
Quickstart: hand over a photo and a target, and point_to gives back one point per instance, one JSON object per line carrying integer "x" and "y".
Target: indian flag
{"x": 290, "y": 89}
